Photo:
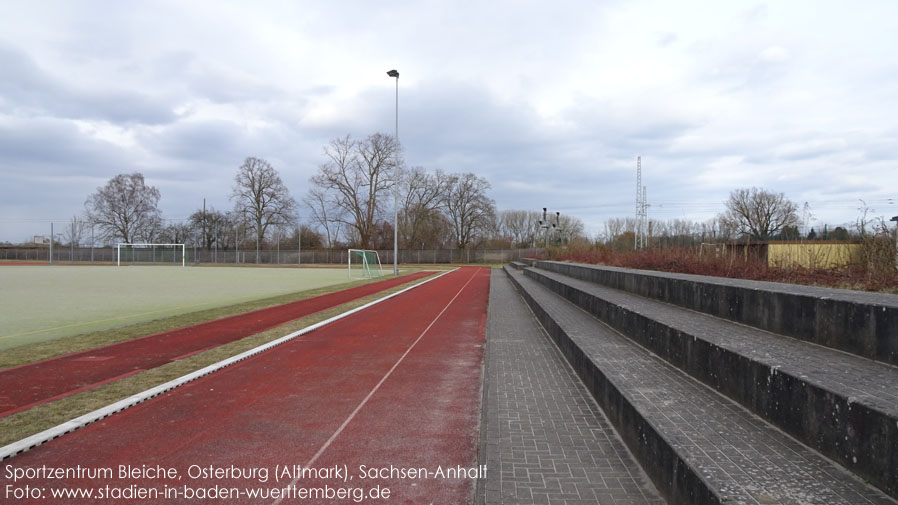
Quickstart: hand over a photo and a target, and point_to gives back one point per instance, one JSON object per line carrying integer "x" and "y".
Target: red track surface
{"x": 32, "y": 384}
{"x": 397, "y": 384}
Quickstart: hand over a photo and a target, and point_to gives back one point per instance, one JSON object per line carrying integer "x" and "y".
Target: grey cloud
{"x": 190, "y": 141}
{"x": 198, "y": 78}
{"x": 49, "y": 146}
{"x": 27, "y": 88}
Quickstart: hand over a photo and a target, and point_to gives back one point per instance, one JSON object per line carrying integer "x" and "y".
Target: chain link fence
{"x": 196, "y": 255}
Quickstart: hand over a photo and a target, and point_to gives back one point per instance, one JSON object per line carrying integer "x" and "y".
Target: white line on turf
{"x": 373, "y": 390}
{"x": 37, "y": 439}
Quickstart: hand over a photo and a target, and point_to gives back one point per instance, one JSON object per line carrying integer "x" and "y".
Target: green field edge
{"x": 42, "y": 417}
{"x": 39, "y": 351}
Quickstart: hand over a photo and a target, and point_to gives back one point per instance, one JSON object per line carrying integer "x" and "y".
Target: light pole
{"x": 395, "y": 73}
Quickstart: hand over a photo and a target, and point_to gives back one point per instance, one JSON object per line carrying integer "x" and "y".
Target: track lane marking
{"x": 383, "y": 379}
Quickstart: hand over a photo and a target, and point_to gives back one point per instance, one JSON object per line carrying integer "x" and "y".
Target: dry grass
{"x": 42, "y": 417}
{"x": 691, "y": 261}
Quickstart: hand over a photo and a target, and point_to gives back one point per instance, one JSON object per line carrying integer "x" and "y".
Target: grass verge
{"x": 42, "y": 417}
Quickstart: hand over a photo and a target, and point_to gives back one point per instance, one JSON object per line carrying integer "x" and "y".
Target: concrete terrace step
{"x": 518, "y": 265}
{"x": 697, "y": 446}
{"x": 843, "y": 405}
{"x": 858, "y": 322}
{"x": 543, "y": 437}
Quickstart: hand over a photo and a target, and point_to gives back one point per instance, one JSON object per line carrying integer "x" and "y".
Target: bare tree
{"x": 516, "y": 226}
{"x": 325, "y": 214}
{"x": 424, "y": 196}
{"x": 259, "y": 193}
{"x": 150, "y": 231}
{"x": 207, "y": 225}
{"x": 358, "y": 178}
{"x": 74, "y": 231}
{"x": 124, "y": 208}
{"x": 759, "y": 213}
{"x": 176, "y": 233}
{"x": 469, "y": 210}
{"x": 570, "y": 227}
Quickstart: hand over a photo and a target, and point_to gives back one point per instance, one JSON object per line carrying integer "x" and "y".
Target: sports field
{"x": 40, "y": 303}
{"x": 394, "y": 385}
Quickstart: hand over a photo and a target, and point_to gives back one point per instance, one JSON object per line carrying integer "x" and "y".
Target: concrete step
{"x": 840, "y": 404}
{"x": 698, "y": 446}
{"x": 858, "y": 322}
{"x": 543, "y": 437}
{"x": 519, "y": 265}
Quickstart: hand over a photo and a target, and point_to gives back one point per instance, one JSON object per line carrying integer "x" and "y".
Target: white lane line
{"x": 374, "y": 390}
{"x": 35, "y": 440}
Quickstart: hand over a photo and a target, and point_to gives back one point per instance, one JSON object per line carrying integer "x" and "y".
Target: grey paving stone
{"x": 543, "y": 437}
{"x": 738, "y": 455}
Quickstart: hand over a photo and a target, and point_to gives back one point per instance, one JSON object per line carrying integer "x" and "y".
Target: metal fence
{"x": 195, "y": 255}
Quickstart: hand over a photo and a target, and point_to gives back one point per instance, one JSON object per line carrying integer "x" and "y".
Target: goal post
{"x": 171, "y": 254}
{"x": 364, "y": 264}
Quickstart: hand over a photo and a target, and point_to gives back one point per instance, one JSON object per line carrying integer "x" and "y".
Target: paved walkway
{"x": 544, "y": 439}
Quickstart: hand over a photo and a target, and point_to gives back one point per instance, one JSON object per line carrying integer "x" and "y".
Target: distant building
{"x": 814, "y": 254}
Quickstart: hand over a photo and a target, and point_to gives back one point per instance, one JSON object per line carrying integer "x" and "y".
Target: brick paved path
{"x": 544, "y": 439}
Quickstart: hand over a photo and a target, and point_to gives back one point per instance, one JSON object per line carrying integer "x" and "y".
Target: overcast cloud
{"x": 550, "y": 101}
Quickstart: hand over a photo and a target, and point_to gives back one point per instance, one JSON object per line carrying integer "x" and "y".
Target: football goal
{"x": 364, "y": 264}
{"x": 142, "y": 254}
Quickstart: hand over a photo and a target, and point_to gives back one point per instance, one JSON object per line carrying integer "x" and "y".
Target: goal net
{"x": 148, "y": 254}
{"x": 364, "y": 264}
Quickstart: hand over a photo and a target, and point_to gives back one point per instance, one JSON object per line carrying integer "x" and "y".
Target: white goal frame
{"x": 366, "y": 267}
{"x": 118, "y": 251}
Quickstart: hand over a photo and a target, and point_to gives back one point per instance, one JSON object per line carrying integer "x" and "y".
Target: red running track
{"x": 396, "y": 384}
{"x": 27, "y": 386}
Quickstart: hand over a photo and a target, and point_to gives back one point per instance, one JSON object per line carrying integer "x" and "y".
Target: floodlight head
{"x": 894, "y": 218}
{"x": 393, "y": 73}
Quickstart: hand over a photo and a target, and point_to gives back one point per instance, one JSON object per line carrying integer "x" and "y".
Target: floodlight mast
{"x": 395, "y": 73}
{"x": 544, "y": 225}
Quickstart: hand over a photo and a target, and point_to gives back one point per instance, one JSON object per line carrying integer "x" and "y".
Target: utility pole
{"x": 51, "y": 242}
{"x": 641, "y": 226}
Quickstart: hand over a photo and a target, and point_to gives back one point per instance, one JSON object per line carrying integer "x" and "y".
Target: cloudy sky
{"x": 550, "y": 101}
